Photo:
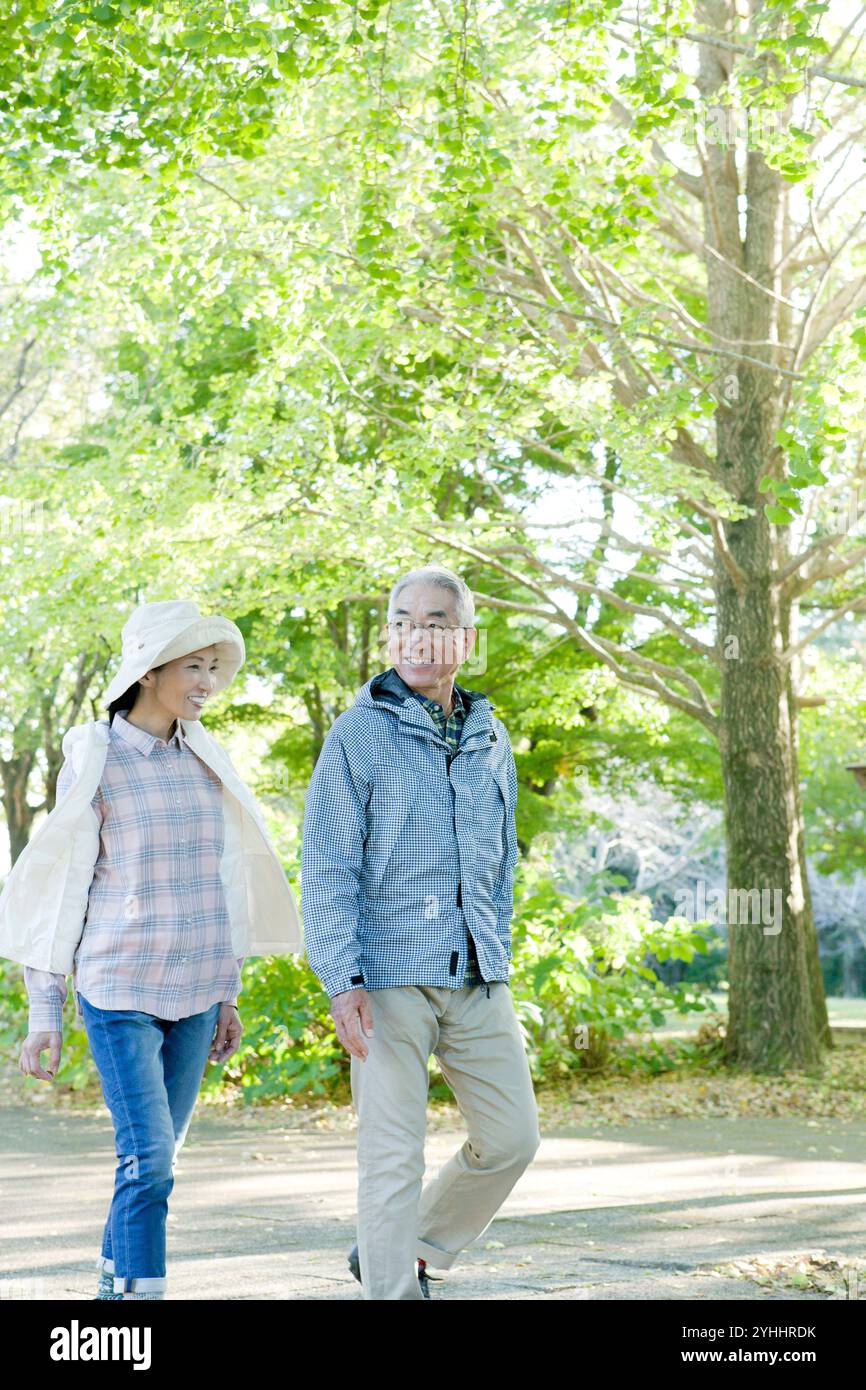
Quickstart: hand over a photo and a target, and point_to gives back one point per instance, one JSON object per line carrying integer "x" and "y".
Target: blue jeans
{"x": 151, "y": 1070}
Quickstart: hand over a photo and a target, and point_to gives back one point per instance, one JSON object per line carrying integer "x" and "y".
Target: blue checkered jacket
{"x": 407, "y": 843}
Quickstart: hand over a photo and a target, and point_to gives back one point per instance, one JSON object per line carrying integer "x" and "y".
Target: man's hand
{"x": 30, "y": 1061}
{"x": 227, "y": 1038}
{"x": 352, "y": 1012}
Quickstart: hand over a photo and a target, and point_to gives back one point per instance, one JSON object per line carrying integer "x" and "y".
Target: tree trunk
{"x": 774, "y": 1000}
{"x": 19, "y": 815}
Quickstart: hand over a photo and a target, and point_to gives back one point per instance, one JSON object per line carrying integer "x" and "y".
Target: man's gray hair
{"x": 444, "y": 579}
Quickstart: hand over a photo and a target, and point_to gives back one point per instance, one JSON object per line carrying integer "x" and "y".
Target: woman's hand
{"x": 30, "y": 1061}
{"x": 227, "y": 1038}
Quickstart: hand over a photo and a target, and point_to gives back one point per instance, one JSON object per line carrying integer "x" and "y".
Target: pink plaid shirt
{"x": 157, "y": 936}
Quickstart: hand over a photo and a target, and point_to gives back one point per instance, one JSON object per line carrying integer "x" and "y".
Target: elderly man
{"x": 406, "y": 881}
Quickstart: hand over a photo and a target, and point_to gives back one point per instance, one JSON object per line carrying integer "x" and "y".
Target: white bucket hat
{"x": 160, "y": 632}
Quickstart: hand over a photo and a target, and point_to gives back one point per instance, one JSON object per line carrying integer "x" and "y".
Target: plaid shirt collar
{"x": 141, "y": 739}
{"x": 449, "y": 728}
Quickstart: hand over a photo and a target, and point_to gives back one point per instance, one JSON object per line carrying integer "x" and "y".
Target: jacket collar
{"x": 389, "y": 691}
{"x": 80, "y": 741}
{"x": 94, "y": 732}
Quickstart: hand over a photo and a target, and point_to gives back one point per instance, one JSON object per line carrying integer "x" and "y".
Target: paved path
{"x": 265, "y": 1210}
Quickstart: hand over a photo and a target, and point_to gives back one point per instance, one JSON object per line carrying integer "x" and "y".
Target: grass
{"x": 841, "y": 1011}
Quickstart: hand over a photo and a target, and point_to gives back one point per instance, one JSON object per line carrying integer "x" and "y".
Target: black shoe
{"x": 424, "y": 1279}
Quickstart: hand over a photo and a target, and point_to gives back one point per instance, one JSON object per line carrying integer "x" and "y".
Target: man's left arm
{"x": 504, "y": 895}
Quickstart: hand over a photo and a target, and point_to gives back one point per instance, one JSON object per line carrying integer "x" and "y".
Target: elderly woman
{"x": 150, "y": 881}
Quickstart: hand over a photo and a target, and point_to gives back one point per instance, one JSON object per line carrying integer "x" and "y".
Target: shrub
{"x": 582, "y": 981}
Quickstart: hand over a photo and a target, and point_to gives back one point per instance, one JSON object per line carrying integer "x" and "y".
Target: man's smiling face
{"x": 427, "y": 644}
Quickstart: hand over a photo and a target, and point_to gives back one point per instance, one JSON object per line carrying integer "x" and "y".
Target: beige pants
{"x": 477, "y": 1042}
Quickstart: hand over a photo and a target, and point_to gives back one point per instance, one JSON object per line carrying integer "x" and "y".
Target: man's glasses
{"x": 404, "y": 628}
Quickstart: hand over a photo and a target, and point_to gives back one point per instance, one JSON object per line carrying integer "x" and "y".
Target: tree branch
{"x": 853, "y": 606}
{"x": 713, "y": 42}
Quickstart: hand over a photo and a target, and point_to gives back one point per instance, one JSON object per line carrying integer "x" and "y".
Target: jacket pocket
{"x": 489, "y": 819}
{"x": 395, "y": 790}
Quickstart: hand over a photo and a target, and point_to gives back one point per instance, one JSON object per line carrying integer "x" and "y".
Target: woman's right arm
{"x": 46, "y": 990}
{"x": 47, "y": 994}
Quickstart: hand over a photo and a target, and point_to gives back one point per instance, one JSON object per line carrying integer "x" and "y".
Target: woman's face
{"x": 184, "y": 685}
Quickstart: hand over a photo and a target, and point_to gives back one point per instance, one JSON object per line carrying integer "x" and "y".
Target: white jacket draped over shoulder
{"x": 43, "y": 903}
